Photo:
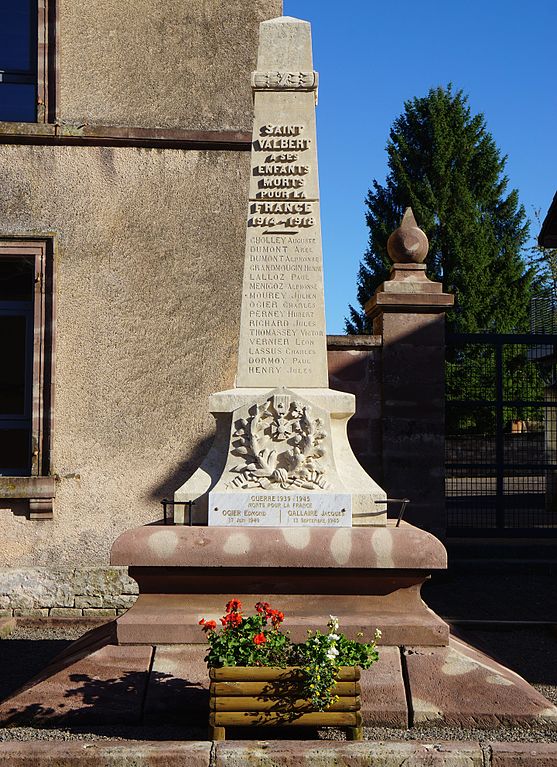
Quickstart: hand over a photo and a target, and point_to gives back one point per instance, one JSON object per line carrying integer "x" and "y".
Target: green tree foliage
{"x": 444, "y": 163}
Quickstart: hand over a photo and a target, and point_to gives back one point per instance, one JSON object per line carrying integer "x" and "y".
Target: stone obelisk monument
{"x": 282, "y": 507}
{"x": 281, "y": 456}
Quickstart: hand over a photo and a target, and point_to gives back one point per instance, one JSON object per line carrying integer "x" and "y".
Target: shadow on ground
{"x": 22, "y": 659}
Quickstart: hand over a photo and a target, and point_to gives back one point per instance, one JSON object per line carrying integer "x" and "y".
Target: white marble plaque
{"x": 280, "y": 509}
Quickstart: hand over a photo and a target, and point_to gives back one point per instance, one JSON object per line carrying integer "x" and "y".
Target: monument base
{"x": 369, "y": 577}
{"x": 147, "y": 667}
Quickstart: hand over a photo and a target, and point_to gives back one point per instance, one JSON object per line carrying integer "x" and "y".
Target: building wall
{"x": 173, "y": 64}
{"x": 148, "y": 263}
{"x": 148, "y": 251}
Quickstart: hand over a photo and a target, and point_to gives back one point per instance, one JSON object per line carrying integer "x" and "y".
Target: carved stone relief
{"x": 280, "y": 444}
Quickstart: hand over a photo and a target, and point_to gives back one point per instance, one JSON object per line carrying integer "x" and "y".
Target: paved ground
{"x": 524, "y": 594}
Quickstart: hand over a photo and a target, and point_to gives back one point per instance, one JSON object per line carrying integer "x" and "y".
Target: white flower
{"x": 333, "y": 622}
{"x": 333, "y": 637}
{"x": 332, "y": 653}
{"x": 378, "y": 634}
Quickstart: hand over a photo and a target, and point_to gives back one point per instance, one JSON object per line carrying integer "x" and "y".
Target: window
{"x": 24, "y": 60}
{"x": 25, "y": 329}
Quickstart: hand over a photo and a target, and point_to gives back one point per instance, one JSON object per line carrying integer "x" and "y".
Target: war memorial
{"x": 280, "y": 508}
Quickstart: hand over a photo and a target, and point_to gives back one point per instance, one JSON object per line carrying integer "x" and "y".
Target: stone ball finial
{"x": 408, "y": 244}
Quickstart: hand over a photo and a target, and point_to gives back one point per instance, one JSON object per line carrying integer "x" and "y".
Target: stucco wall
{"x": 175, "y": 64}
{"x": 149, "y": 255}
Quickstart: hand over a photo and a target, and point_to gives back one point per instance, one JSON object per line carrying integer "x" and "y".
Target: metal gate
{"x": 501, "y": 435}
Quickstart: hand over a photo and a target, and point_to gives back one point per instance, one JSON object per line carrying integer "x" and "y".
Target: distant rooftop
{"x": 547, "y": 237}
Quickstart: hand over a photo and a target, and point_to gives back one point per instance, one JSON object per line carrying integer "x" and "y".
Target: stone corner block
{"x": 66, "y": 612}
{"x": 7, "y": 625}
{"x": 523, "y": 754}
{"x": 95, "y": 581}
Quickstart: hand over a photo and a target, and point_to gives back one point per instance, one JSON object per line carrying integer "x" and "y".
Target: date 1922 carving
{"x": 285, "y": 80}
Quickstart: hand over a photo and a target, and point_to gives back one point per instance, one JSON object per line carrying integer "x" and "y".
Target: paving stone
{"x": 105, "y": 754}
{"x": 7, "y": 625}
{"x": 460, "y": 686}
{"x": 338, "y": 754}
{"x": 66, "y": 612}
{"x": 383, "y": 695}
{"x": 106, "y": 686}
{"x": 178, "y": 687}
{"x": 99, "y": 612}
{"x": 523, "y": 754}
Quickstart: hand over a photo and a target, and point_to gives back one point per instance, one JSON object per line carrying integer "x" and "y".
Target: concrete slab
{"x": 105, "y": 754}
{"x": 178, "y": 689}
{"x": 460, "y": 686}
{"x": 105, "y": 687}
{"x": 338, "y": 754}
{"x": 383, "y": 696}
{"x": 523, "y": 754}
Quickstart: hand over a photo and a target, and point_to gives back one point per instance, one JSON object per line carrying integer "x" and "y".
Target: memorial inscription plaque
{"x": 283, "y": 337}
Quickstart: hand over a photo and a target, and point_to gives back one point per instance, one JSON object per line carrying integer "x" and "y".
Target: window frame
{"x": 38, "y": 486}
{"x": 43, "y": 79}
{"x": 34, "y": 405}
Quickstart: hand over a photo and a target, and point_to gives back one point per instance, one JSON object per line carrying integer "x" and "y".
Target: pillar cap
{"x": 408, "y": 244}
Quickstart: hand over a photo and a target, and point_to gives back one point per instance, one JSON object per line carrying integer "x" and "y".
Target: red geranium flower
{"x": 234, "y": 606}
{"x": 232, "y": 619}
{"x": 262, "y": 607}
{"x": 208, "y": 625}
{"x": 259, "y": 639}
{"x": 277, "y": 617}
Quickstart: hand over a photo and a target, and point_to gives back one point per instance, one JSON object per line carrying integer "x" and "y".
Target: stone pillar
{"x": 408, "y": 311}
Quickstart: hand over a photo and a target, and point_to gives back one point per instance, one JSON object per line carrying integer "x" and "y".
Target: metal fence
{"x": 501, "y": 435}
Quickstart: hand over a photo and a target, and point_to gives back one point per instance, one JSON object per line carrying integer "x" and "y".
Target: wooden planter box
{"x": 257, "y": 696}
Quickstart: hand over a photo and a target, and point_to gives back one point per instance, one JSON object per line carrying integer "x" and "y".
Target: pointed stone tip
{"x": 408, "y": 219}
{"x": 408, "y": 244}
{"x": 285, "y": 20}
{"x": 284, "y": 45}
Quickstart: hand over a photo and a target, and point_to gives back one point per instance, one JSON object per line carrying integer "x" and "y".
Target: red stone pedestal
{"x": 148, "y": 666}
{"x": 370, "y": 577}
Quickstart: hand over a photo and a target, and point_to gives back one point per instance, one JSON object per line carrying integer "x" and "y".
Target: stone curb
{"x": 310, "y": 753}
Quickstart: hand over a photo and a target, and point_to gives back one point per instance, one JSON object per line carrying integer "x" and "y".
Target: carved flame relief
{"x": 279, "y": 445}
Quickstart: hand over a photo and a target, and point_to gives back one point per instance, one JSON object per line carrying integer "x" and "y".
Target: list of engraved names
{"x": 283, "y": 304}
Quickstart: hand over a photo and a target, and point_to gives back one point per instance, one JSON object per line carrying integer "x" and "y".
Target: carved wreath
{"x": 279, "y": 422}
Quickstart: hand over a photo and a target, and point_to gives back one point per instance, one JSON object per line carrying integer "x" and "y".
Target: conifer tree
{"x": 445, "y": 165}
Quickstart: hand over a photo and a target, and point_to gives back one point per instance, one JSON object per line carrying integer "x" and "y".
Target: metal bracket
{"x": 165, "y": 503}
{"x": 403, "y": 504}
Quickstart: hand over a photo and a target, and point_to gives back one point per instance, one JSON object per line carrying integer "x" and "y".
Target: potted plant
{"x": 259, "y": 677}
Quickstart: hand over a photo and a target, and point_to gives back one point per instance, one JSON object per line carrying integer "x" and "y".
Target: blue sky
{"x": 372, "y": 56}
